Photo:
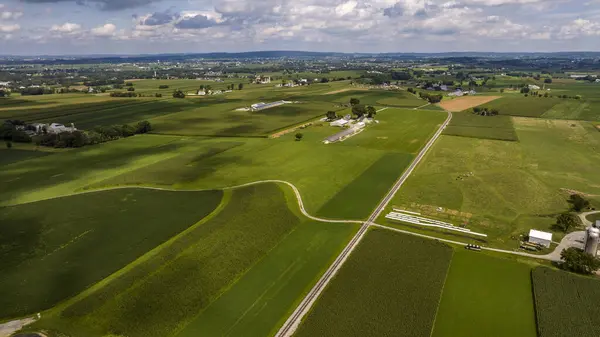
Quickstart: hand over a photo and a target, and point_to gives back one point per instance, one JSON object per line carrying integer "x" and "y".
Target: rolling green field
{"x": 507, "y": 187}
{"x": 361, "y": 196}
{"x": 566, "y": 304}
{"x": 55, "y": 249}
{"x": 266, "y": 295}
{"x": 9, "y": 156}
{"x": 168, "y": 288}
{"x": 486, "y": 296}
{"x": 416, "y": 128}
{"x": 399, "y": 99}
{"x": 387, "y": 287}
{"x": 90, "y": 113}
{"x": 518, "y": 105}
{"x": 466, "y": 124}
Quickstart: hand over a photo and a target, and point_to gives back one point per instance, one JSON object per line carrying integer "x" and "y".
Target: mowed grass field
{"x": 466, "y": 124}
{"x": 507, "y": 187}
{"x": 57, "y": 248}
{"x": 486, "y": 296}
{"x": 389, "y": 286}
{"x": 566, "y": 304}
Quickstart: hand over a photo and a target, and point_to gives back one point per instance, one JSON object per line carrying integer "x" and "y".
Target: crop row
{"x": 390, "y": 286}
{"x": 566, "y": 304}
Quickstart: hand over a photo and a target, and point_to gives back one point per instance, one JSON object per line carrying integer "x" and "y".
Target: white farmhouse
{"x": 339, "y": 122}
{"x": 60, "y": 128}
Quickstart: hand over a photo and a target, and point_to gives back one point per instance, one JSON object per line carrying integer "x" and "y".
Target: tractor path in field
{"x": 292, "y": 186}
{"x": 292, "y": 323}
{"x": 584, "y": 220}
{"x": 571, "y": 240}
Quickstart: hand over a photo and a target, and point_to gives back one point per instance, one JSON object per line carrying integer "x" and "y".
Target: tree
{"x": 331, "y": 115}
{"x": 178, "y": 94}
{"x": 8, "y": 145}
{"x": 548, "y": 80}
{"x": 143, "y": 127}
{"x": 240, "y": 86}
{"x": 501, "y": 90}
{"x": 566, "y": 221}
{"x": 131, "y": 89}
{"x": 371, "y": 112}
{"x": 158, "y": 95}
{"x": 578, "y": 203}
{"x": 299, "y": 136}
{"x": 163, "y": 86}
{"x": 578, "y": 261}
{"x": 354, "y": 101}
{"x": 359, "y": 110}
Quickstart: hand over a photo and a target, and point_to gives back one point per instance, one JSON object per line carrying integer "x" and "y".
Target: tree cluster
{"x": 566, "y": 221}
{"x": 431, "y": 98}
{"x": 578, "y": 261}
{"x": 4, "y": 93}
{"x": 485, "y": 111}
{"x": 36, "y": 91}
{"x": 100, "y": 134}
{"x": 124, "y": 94}
{"x": 178, "y": 94}
{"x": 578, "y": 203}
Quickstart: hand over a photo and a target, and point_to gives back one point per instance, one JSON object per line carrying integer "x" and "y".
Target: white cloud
{"x": 579, "y": 28}
{"x": 106, "y": 30}
{"x": 502, "y": 2}
{"x": 10, "y": 15}
{"x": 9, "y": 28}
{"x": 66, "y": 28}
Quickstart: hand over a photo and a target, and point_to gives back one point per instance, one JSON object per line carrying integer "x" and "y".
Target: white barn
{"x": 541, "y": 238}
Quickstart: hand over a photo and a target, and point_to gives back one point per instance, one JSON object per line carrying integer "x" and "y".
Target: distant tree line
{"x": 36, "y": 91}
{"x": 80, "y": 138}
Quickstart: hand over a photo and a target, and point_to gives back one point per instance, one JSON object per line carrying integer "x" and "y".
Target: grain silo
{"x": 592, "y": 238}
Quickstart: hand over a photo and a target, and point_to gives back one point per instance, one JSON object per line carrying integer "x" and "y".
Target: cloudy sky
{"x": 30, "y": 27}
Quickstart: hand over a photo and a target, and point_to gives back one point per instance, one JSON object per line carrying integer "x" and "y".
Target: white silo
{"x": 592, "y": 238}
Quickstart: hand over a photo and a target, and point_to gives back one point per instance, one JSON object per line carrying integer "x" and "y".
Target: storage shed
{"x": 540, "y": 238}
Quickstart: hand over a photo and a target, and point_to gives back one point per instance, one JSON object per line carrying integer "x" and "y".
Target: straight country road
{"x": 292, "y": 323}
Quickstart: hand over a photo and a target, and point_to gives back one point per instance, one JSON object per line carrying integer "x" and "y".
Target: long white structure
{"x": 421, "y": 221}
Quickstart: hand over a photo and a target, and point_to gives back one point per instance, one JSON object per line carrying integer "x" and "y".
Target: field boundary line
{"x": 292, "y": 186}
{"x": 293, "y": 322}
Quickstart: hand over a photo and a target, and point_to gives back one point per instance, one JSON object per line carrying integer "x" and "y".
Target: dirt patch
{"x": 466, "y": 102}
{"x": 284, "y": 132}
{"x": 572, "y": 192}
{"x": 344, "y": 90}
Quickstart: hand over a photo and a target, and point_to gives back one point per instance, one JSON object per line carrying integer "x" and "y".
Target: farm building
{"x": 263, "y": 80}
{"x": 540, "y": 238}
{"x": 340, "y": 135}
{"x": 339, "y": 122}
{"x": 263, "y": 106}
